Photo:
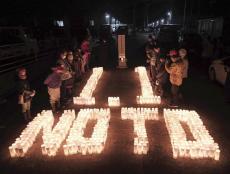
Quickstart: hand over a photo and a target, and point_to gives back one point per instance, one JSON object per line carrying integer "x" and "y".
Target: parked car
{"x": 217, "y": 70}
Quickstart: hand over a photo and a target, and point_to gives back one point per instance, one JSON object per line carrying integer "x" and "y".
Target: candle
{"x": 93, "y": 145}
{"x": 85, "y": 97}
{"x": 53, "y": 139}
{"x": 139, "y": 115}
{"x": 203, "y": 146}
{"x": 147, "y": 94}
{"x": 28, "y": 136}
{"x": 113, "y": 101}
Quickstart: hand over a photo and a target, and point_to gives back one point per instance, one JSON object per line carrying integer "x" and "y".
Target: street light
{"x": 169, "y": 17}
{"x": 107, "y": 18}
{"x": 162, "y": 21}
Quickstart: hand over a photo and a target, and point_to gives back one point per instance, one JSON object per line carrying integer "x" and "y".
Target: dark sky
{"x": 122, "y": 9}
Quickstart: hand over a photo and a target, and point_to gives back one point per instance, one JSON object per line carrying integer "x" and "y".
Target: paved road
{"x": 201, "y": 95}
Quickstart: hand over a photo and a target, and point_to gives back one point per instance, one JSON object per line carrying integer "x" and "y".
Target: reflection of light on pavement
{"x": 113, "y": 101}
{"x": 147, "y": 95}
{"x": 77, "y": 143}
{"x": 203, "y": 147}
{"x": 139, "y": 115}
{"x": 85, "y": 97}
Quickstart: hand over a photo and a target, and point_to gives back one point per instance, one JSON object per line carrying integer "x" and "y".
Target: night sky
{"x": 121, "y": 9}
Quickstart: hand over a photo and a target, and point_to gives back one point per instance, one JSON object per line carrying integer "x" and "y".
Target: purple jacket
{"x": 53, "y": 80}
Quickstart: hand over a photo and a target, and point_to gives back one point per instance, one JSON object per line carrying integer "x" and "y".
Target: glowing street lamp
{"x": 107, "y": 18}
{"x": 162, "y": 21}
{"x": 169, "y": 17}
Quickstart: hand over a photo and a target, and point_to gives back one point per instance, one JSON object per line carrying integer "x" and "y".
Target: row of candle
{"x": 77, "y": 143}
{"x": 113, "y": 101}
{"x": 28, "y": 136}
{"x": 148, "y": 100}
{"x": 203, "y": 146}
{"x": 52, "y": 139}
{"x": 85, "y": 97}
{"x": 139, "y": 115}
{"x": 147, "y": 94}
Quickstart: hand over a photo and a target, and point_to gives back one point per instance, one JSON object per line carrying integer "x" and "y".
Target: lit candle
{"x": 203, "y": 146}
{"x": 94, "y": 144}
{"x": 147, "y": 94}
{"x": 113, "y": 101}
{"x": 139, "y": 115}
{"x": 85, "y": 97}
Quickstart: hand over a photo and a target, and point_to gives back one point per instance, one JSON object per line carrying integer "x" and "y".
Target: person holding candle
{"x": 53, "y": 83}
{"x": 175, "y": 70}
{"x": 25, "y": 94}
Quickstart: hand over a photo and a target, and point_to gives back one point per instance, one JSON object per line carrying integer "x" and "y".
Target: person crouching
{"x": 53, "y": 82}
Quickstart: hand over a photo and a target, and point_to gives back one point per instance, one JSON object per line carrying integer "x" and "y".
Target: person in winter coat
{"x": 53, "y": 82}
{"x": 162, "y": 75}
{"x": 175, "y": 70}
{"x": 152, "y": 60}
{"x": 25, "y": 94}
{"x": 66, "y": 75}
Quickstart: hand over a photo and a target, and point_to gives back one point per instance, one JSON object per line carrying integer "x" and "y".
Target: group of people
{"x": 69, "y": 68}
{"x": 167, "y": 70}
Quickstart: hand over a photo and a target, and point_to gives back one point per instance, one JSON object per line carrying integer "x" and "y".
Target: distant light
{"x": 153, "y": 23}
{"x": 107, "y": 16}
{"x": 169, "y": 13}
{"x": 157, "y": 22}
{"x": 59, "y": 23}
{"x": 162, "y": 21}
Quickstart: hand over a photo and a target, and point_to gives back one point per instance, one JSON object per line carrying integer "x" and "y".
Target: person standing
{"x": 162, "y": 76}
{"x": 152, "y": 59}
{"x": 175, "y": 70}
{"x": 66, "y": 75}
{"x": 53, "y": 82}
{"x": 25, "y": 94}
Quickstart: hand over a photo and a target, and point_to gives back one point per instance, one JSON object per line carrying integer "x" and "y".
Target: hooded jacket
{"x": 175, "y": 71}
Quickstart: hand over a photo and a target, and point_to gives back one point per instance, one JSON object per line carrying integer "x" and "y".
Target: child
{"x": 25, "y": 94}
{"x": 53, "y": 82}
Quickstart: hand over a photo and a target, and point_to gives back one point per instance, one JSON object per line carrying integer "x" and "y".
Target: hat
{"x": 172, "y": 53}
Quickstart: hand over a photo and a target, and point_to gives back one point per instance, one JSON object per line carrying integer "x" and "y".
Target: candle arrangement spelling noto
{"x": 203, "y": 146}
{"x": 85, "y": 97}
{"x": 113, "y": 101}
{"x": 147, "y": 95}
{"x": 139, "y": 115}
{"x": 77, "y": 143}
